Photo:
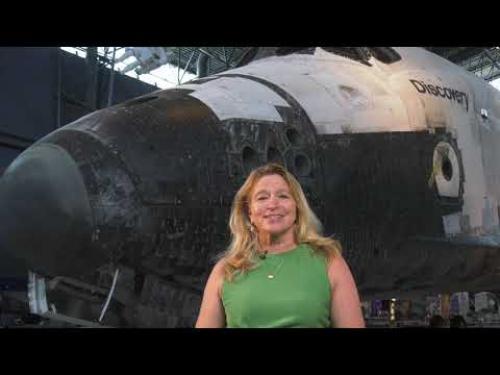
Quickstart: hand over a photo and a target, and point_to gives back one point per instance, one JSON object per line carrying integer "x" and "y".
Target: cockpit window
{"x": 257, "y": 53}
{"x": 281, "y": 51}
{"x": 360, "y": 54}
{"x": 386, "y": 55}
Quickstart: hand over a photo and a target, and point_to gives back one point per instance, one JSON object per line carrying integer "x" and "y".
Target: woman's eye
{"x": 261, "y": 198}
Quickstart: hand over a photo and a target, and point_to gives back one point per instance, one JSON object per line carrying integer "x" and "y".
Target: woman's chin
{"x": 276, "y": 231}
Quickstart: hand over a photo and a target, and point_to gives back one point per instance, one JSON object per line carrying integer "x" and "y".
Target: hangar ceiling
{"x": 482, "y": 61}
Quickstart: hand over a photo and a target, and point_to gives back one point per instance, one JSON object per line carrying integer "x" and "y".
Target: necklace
{"x": 272, "y": 274}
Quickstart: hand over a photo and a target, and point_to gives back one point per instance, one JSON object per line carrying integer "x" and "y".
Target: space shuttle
{"x": 119, "y": 215}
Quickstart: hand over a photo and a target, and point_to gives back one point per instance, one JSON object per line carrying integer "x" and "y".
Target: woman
{"x": 278, "y": 270}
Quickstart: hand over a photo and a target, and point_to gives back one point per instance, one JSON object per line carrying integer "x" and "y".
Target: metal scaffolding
{"x": 202, "y": 61}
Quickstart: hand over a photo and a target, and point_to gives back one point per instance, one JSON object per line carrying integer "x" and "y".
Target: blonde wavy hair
{"x": 243, "y": 249}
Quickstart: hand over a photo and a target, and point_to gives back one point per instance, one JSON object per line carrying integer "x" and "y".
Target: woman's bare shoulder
{"x": 338, "y": 269}
{"x": 218, "y": 271}
{"x": 219, "y": 265}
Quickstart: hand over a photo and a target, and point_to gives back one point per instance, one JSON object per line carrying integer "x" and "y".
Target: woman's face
{"x": 272, "y": 208}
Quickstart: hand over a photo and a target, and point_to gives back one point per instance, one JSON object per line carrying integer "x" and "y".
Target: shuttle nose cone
{"x": 45, "y": 217}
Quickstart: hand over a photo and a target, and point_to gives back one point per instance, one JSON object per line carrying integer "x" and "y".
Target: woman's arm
{"x": 211, "y": 311}
{"x": 346, "y": 307}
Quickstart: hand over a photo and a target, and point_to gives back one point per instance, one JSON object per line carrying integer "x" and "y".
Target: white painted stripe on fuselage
{"x": 234, "y": 97}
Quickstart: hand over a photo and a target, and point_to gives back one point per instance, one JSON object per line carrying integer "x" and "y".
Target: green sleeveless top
{"x": 289, "y": 289}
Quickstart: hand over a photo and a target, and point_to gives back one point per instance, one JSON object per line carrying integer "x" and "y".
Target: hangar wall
{"x": 44, "y": 88}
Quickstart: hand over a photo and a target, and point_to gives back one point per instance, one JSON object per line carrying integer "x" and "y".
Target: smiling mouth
{"x": 273, "y": 217}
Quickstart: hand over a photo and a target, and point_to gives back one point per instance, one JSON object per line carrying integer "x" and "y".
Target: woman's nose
{"x": 273, "y": 202}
